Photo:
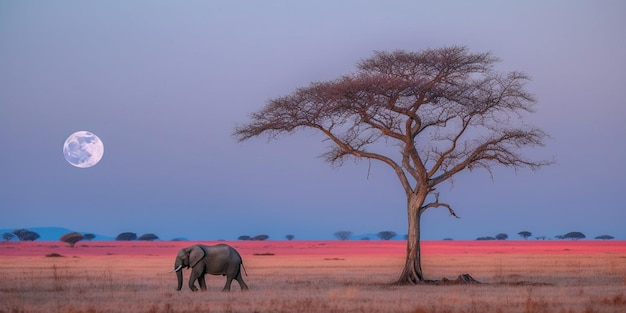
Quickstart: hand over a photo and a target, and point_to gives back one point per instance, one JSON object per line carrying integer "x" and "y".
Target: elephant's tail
{"x": 244, "y": 269}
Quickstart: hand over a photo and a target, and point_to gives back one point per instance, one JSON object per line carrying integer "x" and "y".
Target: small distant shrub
{"x": 148, "y": 237}
{"x": 386, "y": 235}
{"x": 261, "y": 237}
{"x": 263, "y": 254}
{"x": 72, "y": 238}
{"x": 26, "y": 235}
{"x": 289, "y": 237}
{"x": 525, "y": 234}
{"x": 8, "y": 236}
{"x": 128, "y": 236}
{"x": 605, "y": 237}
{"x": 89, "y": 237}
{"x": 54, "y": 255}
{"x": 575, "y": 235}
{"x": 343, "y": 235}
{"x": 486, "y": 238}
{"x": 244, "y": 237}
{"x": 502, "y": 236}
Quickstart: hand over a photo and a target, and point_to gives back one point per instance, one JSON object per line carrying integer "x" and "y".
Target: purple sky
{"x": 163, "y": 84}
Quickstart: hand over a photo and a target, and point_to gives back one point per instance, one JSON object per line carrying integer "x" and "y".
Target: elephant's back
{"x": 224, "y": 251}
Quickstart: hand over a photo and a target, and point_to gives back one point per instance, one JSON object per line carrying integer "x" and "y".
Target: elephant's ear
{"x": 196, "y": 254}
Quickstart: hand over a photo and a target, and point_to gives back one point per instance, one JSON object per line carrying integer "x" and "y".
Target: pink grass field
{"x": 318, "y": 276}
{"x": 319, "y": 248}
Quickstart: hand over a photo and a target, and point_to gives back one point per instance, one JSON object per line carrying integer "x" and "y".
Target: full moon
{"x": 83, "y": 149}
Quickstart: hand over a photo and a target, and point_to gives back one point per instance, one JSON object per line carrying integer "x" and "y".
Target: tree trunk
{"x": 412, "y": 272}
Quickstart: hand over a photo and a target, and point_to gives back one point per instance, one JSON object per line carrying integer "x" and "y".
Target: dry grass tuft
{"x": 54, "y": 255}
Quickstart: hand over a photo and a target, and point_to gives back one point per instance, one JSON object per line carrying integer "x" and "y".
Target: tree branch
{"x": 437, "y": 204}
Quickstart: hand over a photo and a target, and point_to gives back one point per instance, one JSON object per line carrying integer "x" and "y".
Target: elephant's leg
{"x": 229, "y": 280}
{"x": 192, "y": 278}
{"x": 202, "y": 282}
{"x": 242, "y": 284}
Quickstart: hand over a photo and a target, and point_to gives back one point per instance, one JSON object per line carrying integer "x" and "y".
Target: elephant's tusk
{"x": 176, "y": 269}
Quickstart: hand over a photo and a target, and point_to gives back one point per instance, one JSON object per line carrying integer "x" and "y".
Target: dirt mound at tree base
{"x": 463, "y": 279}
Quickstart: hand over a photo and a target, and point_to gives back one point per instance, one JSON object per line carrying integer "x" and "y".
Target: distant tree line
{"x": 130, "y": 236}
{"x": 73, "y": 237}
{"x": 575, "y": 235}
{"x": 387, "y": 235}
{"x": 347, "y": 235}
{"x": 500, "y": 236}
{"x": 21, "y": 235}
{"x": 257, "y": 237}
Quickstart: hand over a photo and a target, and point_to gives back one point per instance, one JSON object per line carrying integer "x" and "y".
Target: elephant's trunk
{"x": 179, "y": 273}
{"x": 179, "y": 276}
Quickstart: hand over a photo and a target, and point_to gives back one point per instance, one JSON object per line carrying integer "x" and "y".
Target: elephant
{"x": 220, "y": 259}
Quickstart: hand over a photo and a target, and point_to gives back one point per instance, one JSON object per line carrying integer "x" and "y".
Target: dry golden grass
{"x": 517, "y": 282}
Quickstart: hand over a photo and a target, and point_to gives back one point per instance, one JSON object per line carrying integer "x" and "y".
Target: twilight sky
{"x": 164, "y": 83}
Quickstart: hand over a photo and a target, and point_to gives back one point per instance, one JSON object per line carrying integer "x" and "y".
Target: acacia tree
{"x": 26, "y": 235}
{"x": 72, "y": 238}
{"x": 127, "y": 236}
{"x": 386, "y": 234}
{"x": 525, "y": 234}
{"x": 343, "y": 235}
{"x": 148, "y": 237}
{"x": 428, "y": 115}
{"x": 7, "y": 237}
{"x": 575, "y": 235}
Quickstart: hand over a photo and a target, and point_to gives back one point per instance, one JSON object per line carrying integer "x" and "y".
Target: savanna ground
{"x": 318, "y": 276}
